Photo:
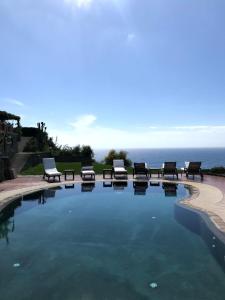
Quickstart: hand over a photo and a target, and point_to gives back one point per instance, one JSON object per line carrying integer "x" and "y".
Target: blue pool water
{"x": 106, "y": 241}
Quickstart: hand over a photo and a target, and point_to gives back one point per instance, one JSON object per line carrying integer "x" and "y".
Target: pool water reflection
{"x": 108, "y": 241}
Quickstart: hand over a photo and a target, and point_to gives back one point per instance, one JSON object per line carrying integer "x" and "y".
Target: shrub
{"x": 32, "y": 145}
{"x": 218, "y": 170}
{"x": 73, "y": 154}
{"x": 29, "y": 131}
{"x": 117, "y": 155}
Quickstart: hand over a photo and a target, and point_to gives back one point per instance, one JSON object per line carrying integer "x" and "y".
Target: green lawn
{"x": 38, "y": 169}
{"x": 98, "y": 167}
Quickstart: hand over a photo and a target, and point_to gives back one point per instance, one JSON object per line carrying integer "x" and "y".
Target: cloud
{"x": 14, "y": 101}
{"x": 199, "y": 127}
{"x": 130, "y": 37}
{"x": 79, "y": 3}
{"x": 84, "y": 121}
{"x": 85, "y": 131}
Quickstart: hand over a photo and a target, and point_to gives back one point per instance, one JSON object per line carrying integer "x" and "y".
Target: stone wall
{"x": 8, "y": 144}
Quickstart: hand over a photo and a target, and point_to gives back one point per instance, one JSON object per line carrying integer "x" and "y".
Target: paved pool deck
{"x": 207, "y": 196}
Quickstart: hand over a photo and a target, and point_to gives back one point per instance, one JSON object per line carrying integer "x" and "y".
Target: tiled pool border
{"x": 205, "y": 199}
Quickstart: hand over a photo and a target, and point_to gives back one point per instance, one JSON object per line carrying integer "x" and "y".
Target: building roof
{"x": 7, "y": 116}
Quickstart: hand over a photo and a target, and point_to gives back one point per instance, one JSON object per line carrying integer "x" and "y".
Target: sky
{"x": 116, "y": 73}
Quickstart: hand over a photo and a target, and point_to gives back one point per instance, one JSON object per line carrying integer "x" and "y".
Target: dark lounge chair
{"x": 170, "y": 189}
{"x": 140, "y": 169}
{"x": 169, "y": 168}
{"x": 193, "y": 168}
{"x": 140, "y": 187}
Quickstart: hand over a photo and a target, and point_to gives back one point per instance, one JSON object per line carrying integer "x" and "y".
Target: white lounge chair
{"x": 87, "y": 171}
{"x": 118, "y": 168}
{"x": 50, "y": 168}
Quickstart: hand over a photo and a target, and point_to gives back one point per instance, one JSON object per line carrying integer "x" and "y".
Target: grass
{"x": 61, "y": 166}
{"x": 98, "y": 167}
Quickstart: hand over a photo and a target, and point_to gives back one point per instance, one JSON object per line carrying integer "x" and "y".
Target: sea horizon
{"x": 154, "y": 157}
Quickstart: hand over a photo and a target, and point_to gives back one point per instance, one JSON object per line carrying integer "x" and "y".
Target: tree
{"x": 87, "y": 154}
{"x": 117, "y": 155}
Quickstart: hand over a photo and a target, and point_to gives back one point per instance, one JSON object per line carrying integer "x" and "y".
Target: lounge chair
{"x": 140, "y": 169}
{"x": 170, "y": 189}
{"x": 119, "y": 185}
{"x": 192, "y": 168}
{"x": 140, "y": 187}
{"x": 87, "y": 171}
{"x": 118, "y": 168}
{"x": 50, "y": 169}
{"x": 169, "y": 168}
{"x": 87, "y": 186}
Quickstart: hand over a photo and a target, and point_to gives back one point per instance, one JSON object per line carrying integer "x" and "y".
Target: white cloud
{"x": 79, "y": 3}
{"x": 199, "y": 127}
{"x": 14, "y": 101}
{"x": 130, "y": 37}
{"x": 86, "y": 131}
{"x": 84, "y": 121}
{"x": 118, "y": 4}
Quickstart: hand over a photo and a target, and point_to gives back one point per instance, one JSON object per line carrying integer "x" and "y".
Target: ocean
{"x": 210, "y": 157}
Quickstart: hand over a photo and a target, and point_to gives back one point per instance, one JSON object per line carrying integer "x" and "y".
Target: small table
{"x": 155, "y": 170}
{"x": 67, "y": 172}
{"x": 107, "y": 172}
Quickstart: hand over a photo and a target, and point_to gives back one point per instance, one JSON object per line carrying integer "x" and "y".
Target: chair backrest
{"x": 140, "y": 165}
{"x": 169, "y": 165}
{"x": 87, "y": 168}
{"x": 118, "y": 163}
{"x": 49, "y": 163}
{"x": 194, "y": 165}
{"x": 87, "y": 165}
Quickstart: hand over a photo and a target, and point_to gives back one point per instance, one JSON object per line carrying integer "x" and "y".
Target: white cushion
{"x": 186, "y": 163}
{"x": 120, "y": 170}
{"x": 52, "y": 172}
{"x": 88, "y": 172}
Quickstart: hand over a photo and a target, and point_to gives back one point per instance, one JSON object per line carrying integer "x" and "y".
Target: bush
{"x": 31, "y": 146}
{"x": 29, "y": 131}
{"x": 73, "y": 154}
{"x": 218, "y": 170}
{"x": 117, "y": 155}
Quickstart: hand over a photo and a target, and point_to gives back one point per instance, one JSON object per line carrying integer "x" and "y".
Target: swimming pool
{"x": 108, "y": 241}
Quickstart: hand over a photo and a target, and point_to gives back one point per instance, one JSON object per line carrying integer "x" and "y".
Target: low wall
{"x": 35, "y": 158}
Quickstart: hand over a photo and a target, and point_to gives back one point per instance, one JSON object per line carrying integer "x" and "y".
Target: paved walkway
{"x": 208, "y": 196}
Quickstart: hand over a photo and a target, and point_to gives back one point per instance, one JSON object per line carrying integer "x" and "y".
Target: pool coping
{"x": 204, "y": 199}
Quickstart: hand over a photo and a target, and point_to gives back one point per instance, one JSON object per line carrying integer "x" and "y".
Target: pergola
{"x": 5, "y": 116}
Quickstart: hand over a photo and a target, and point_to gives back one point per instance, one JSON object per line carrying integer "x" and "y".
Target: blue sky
{"x": 116, "y": 73}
